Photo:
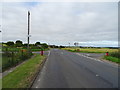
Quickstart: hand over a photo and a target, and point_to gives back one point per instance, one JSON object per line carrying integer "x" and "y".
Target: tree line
{"x": 19, "y": 43}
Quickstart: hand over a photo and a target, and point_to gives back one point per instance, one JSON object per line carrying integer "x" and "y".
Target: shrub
{"x": 115, "y": 54}
{"x": 12, "y": 58}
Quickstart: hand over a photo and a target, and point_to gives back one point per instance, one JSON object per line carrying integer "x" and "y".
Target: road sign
{"x": 28, "y": 35}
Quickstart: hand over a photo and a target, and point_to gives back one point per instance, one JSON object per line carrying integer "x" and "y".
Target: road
{"x": 65, "y": 69}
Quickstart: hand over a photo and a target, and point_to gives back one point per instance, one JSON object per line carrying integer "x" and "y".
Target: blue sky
{"x": 60, "y": 23}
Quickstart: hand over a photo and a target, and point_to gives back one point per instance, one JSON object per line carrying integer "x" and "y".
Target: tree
{"x": 76, "y": 44}
{"x": 10, "y": 43}
{"x": 37, "y": 43}
{"x": 44, "y": 45}
{"x": 18, "y": 43}
{"x": 25, "y": 45}
{"x": 62, "y": 46}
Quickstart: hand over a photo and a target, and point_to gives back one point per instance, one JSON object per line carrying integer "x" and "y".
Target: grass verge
{"x": 23, "y": 75}
{"x": 113, "y": 59}
{"x": 0, "y": 84}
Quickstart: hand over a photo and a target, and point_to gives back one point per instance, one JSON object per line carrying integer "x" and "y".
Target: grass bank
{"x": 23, "y": 75}
{"x": 113, "y": 59}
{"x": 0, "y": 84}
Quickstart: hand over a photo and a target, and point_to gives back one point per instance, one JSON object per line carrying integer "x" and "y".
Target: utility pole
{"x": 69, "y": 45}
{"x": 28, "y": 28}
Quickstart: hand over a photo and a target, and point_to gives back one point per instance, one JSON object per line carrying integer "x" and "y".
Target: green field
{"x": 91, "y": 50}
{"x": 22, "y": 76}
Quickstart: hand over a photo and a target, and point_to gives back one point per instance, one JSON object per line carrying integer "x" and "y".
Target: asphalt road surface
{"x": 65, "y": 69}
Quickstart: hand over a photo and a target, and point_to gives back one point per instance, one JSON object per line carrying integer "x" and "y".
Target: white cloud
{"x": 60, "y": 23}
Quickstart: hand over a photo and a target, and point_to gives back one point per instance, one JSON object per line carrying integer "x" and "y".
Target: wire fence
{"x": 12, "y": 58}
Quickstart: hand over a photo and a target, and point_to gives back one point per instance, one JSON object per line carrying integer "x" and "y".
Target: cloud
{"x": 61, "y": 23}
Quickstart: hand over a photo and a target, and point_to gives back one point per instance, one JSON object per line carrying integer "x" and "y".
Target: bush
{"x": 12, "y": 58}
{"x": 115, "y": 54}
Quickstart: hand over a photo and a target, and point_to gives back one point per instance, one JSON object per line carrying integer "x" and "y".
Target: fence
{"x": 13, "y": 58}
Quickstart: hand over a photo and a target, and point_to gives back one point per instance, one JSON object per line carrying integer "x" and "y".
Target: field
{"x": 91, "y": 50}
{"x": 22, "y": 76}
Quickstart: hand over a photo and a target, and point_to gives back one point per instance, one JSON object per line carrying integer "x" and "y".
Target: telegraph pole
{"x": 69, "y": 45}
{"x": 28, "y": 28}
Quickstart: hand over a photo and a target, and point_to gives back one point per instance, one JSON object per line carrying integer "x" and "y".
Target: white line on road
{"x": 61, "y": 52}
{"x": 113, "y": 65}
{"x": 97, "y": 75}
{"x": 89, "y": 57}
{"x": 49, "y": 53}
{"x": 39, "y": 80}
{"x": 36, "y": 87}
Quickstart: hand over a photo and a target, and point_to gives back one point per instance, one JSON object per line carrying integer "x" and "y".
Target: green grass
{"x": 11, "y": 49}
{"x": 23, "y": 75}
{"x": 113, "y": 59}
{"x": 39, "y": 49}
{"x": 0, "y": 60}
{"x": 91, "y": 50}
{"x": 0, "y": 84}
{"x": 18, "y": 49}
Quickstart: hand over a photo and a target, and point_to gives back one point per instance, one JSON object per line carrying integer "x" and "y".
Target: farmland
{"x": 91, "y": 50}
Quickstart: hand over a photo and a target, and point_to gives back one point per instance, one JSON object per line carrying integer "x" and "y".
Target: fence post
{"x": 12, "y": 57}
{"x": 22, "y": 55}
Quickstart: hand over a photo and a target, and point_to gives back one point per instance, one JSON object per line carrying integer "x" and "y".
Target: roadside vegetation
{"x": 13, "y": 53}
{"x": 114, "y": 57}
{"x": 0, "y": 84}
{"x": 23, "y": 75}
{"x": 18, "y": 45}
{"x": 13, "y": 58}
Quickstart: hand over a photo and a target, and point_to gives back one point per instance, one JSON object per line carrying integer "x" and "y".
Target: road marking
{"x": 49, "y": 53}
{"x": 39, "y": 80}
{"x": 36, "y": 87}
{"x": 61, "y": 52}
{"x": 89, "y": 57}
{"x": 97, "y": 75}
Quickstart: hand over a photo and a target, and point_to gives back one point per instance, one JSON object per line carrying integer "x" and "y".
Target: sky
{"x": 61, "y": 23}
